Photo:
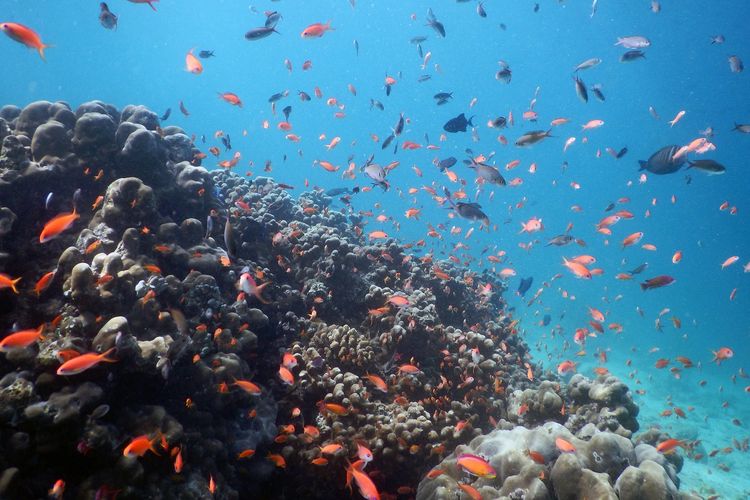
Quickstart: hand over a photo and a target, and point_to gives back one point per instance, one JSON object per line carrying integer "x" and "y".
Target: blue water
{"x": 143, "y": 61}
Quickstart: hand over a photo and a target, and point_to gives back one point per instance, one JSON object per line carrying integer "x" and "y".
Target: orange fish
{"x": 377, "y": 235}
{"x": 21, "y": 339}
{"x": 8, "y": 282}
{"x": 140, "y": 445}
{"x": 25, "y": 35}
{"x": 669, "y": 445}
{"x": 83, "y": 362}
{"x": 178, "y": 463}
{"x": 476, "y": 465}
{"x": 231, "y": 98}
{"x": 316, "y": 30}
{"x": 277, "y": 460}
{"x": 248, "y": 387}
{"x": 245, "y": 454}
{"x": 564, "y": 446}
{"x": 57, "y": 489}
{"x": 722, "y": 354}
{"x": 285, "y": 375}
{"x": 56, "y": 226}
{"x": 366, "y": 487}
{"x": 632, "y": 239}
{"x": 378, "y": 382}
{"x": 193, "y": 64}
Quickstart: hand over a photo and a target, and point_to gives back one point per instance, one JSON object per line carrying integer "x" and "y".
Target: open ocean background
{"x": 143, "y": 62}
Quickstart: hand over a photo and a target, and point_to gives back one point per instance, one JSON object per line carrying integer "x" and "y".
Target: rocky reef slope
{"x": 238, "y": 342}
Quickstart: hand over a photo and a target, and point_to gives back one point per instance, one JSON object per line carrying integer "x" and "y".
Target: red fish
{"x": 83, "y": 362}
{"x": 8, "y": 282}
{"x": 57, "y": 226}
{"x": 25, "y": 35}
{"x": 21, "y": 339}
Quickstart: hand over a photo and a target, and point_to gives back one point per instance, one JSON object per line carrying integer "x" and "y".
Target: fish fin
{"x": 13, "y": 285}
{"x": 642, "y": 164}
{"x": 469, "y": 121}
{"x": 103, "y": 356}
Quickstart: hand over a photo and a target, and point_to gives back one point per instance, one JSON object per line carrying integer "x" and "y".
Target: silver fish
{"x": 533, "y": 137}
{"x": 633, "y": 42}
{"x": 588, "y": 63}
{"x": 743, "y": 128}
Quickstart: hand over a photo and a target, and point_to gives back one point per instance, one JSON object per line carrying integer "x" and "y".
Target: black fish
{"x": 106, "y": 17}
{"x": 258, "y": 33}
{"x": 230, "y": 240}
{"x": 632, "y": 55}
{"x": 446, "y": 163}
{"x": 597, "y": 90}
{"x": 184, "y": 110}
{"x": 304, "y": 96}
{"x": 423, "y": 78}
{"x": 205, "y": 54}
{"x": 356, "y": 46}
{"x": 546, "y": 320}
{"x": 480, "y": 10}
{"x": 387, "y": 141}
{"x": 621, "y": 153}
{"x": 610, "y": 207}
{"x": 657, "y": 282}
{"x": 227, "y": 142}
{"x": 418, "y": 39}
{"x": 471, "y": 211}
{"x": 442, "y": 96}
{"x": 663, "y": 161}
{"x": 457, "y": 124}
{"x": 499, "y": 122}
{"x": 711, "y": 167}
{"x": 435, "y": 24}
{"x": 399, "y": 125}
{"x": 524, "y": 286}
{"x": 374, "y": 103}
{"x": 581, "y": 89}
{"x": 504, "y": 75}
{"x": 639, "y": 269}
{"x": 560, "y": 240}
{"x": 278, "y": 96}
{"x": 166, "y": 114}
{"x": 287, "y": 111}
{"x": 272, "y": 18}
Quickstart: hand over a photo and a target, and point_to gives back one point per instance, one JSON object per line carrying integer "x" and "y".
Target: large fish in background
{"x": 663, "y": 161}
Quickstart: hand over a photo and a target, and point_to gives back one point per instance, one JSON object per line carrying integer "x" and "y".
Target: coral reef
{"x": 274, "y": 335}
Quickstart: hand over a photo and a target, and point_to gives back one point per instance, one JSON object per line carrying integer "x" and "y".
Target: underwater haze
{"x": 309, "y": 295}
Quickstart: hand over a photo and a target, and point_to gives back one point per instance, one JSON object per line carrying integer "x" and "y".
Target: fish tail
{"x": 328, "y": 26}
{"x": 644, "y": 286}
{"x": 13, "y": 285}
{"x": 150, "y": 4}
{"x": 103, "y": 356}
{"x": 642, "y": 164}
